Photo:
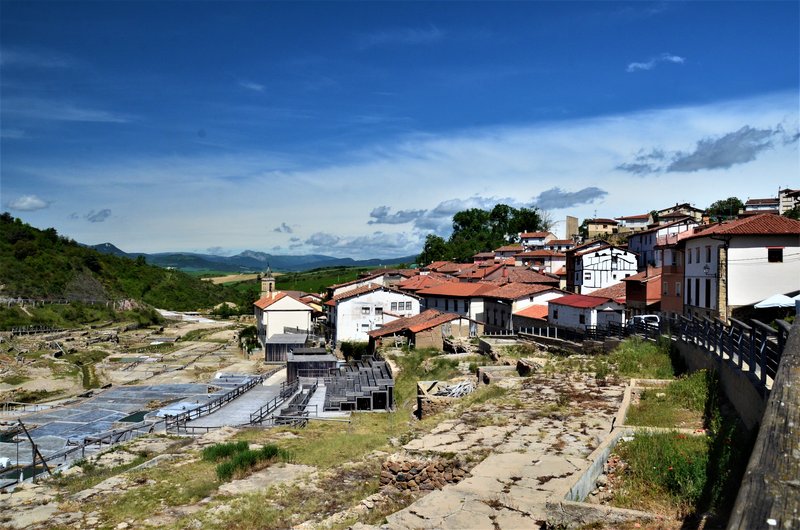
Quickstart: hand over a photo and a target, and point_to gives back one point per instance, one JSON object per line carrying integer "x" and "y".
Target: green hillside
{"x": 41, "y": 264}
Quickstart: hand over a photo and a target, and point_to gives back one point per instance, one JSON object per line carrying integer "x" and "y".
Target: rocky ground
{"x": 490, "y": 463}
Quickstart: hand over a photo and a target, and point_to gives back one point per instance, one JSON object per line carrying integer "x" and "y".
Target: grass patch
{"x": 241, "y": 459}
{"x": 217, "y": 452}
{"x": 328, "y": 444}
{"x": 663, "y": 468}
{"x": 14, "y": 379}
{"x": 94, "y": 474}
{"x": 682, "y": 403}
{"x": 643, "y": 359}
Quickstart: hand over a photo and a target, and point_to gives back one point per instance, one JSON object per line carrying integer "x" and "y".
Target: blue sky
{"x": 355, "y": 129}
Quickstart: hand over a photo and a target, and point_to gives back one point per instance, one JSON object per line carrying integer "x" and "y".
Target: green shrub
{"x": 645, "y": 359}
{"x": 354, "y": 350}
{"x": 214, "y": 453}
{"x": 667, "y": 464}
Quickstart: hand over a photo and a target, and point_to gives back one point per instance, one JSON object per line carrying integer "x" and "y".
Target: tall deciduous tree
{"x": 476, "y": 230}
{"x": 725, "y": 209}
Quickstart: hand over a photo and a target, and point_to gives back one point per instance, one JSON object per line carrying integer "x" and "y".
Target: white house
{"x": 789, "y": 199}
{"x": 462, "y": 298}
{"x": 501, "y": 303}
{"x": 541, "y": 260}
{"x": 643, "y": 243}
{"x": 354, "y": 313}
{"x": 533, "y": 240}
{"x": 597, "y": 265}
{"x": 278, "y": 313}
{"x": 634, "y": 223}
{"x": 577, "y": 311}
{"x": 739, "y": 263}
{"x": 770, "y": 205}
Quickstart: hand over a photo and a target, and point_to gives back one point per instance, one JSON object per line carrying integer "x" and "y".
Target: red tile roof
{"x": 421, "y": 282}
{"x": 757, "y": 225}
{"x": 769, "y": 201}
{"x": 642, "y": 217}
{"x": 416, "y": 323}
{"x": 616, "y": 292}
{"x": 601, "y": 221}
{"x": 509, "y": 248}
{"x": 534, "y": 235}
{"x": 540, "y": 254}
{"x": 512, "y": 291}
{"x": 458, "y": 290}
{"x": 581, "y": 300}
{"x": 561, "y": 272}
{"x": 645, "y": 276}
{"x": 556, "y": 242}
{"x": 534, "y": 311}
{"x": 266, "y": 301}
{"x": 523, "y": 275}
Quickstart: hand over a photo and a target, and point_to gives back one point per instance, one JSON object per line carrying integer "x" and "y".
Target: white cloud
{"x": 35, "y": 59}
{"x": 54, "y": 110}
{"x": 250, "y": 85}
{"x": 28, "y": 203}
{"x": 569, "y": 167}
{"x": 654, "y": 61}
{"x": 403, "y": 36}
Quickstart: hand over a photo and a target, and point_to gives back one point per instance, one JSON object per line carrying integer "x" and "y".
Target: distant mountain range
{"x": 247, "y": 261}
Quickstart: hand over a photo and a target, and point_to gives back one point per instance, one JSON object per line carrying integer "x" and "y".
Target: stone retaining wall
{"x": 415, "y": 475}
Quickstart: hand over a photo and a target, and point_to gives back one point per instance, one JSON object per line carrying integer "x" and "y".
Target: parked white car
{"x": 644, "y": 320}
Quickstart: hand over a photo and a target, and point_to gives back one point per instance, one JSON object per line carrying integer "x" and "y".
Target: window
{"x": 666, "y": 288}
{"x": 775, "y": 255}
{"x": 408, "y": 306}
{"x": 688, "y": 291}
{"x": 378, "y": 311}
{"x": 582, "y": 319}
{"x": 394, "y": 305}
{"x": 364, "y": 326}
{"x": 689, "y": 255}
{"x": 446, "y": 304}
{"x": 697, "y": 288}
{"x": 466, "y": 306}
{"x": 555, "y": 314}
{"x": 587, "y": 276}
{"x": 365, "y": 310}
{"x": 677, "y": 288}
{"x": 708, "y": 254}
{"x": 697, "y": 255}
{"x": 708, "y": 292}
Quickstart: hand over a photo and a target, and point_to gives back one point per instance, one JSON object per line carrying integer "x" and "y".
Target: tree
{"x": 435, "y": 249}
{"x": 794, "y": 213}
{"x": 724, "y": 209}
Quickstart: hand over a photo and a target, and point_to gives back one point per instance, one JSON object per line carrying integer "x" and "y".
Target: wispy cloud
{"x": 379, "y": 244}
{"x": 654, "y": 61}
{"x": 250, "y": 85}
{"x": 283, "y": 229}
{"x": 53, "y": 110}
{"x": 28, "y": 203}
{"x": 557, "y": 199}
{"x": 382, "y": 215}
{"x": 13, "y": 134}
{"x": 98, "y": 217}
{"x": 721, "y": 152}
{"x": 402, "y": 36}
{"x": 11, "y": 57}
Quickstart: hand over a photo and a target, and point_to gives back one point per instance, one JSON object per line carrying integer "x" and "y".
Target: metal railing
{"x": 754, "y": 349}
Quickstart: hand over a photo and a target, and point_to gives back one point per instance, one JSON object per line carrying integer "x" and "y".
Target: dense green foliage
{"x": 793, "y": 213}
{"x": 317, "y": 280}
{"x": 725, "y": 209}
{"x": 239, "y": 458}
{"x": 74, "y": 315}
{"x": 644, "y": 359}
{"x": 41, "y": 264}
{"x": 477, "y": 230}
